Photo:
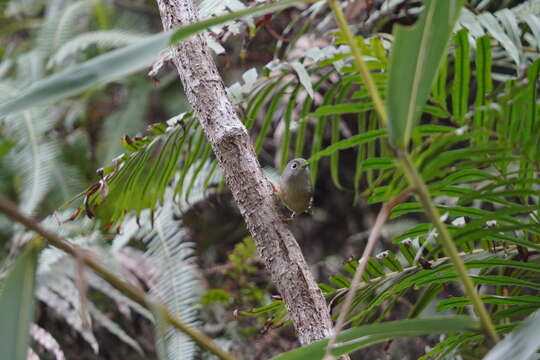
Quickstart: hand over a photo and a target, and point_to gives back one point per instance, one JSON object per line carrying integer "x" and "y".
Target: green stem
{"x": 132, "y": 292}
{"x": 359, "y": 61}
{"x": 448, "y": 244}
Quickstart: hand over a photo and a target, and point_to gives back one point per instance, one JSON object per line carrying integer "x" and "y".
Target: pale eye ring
{"x": 293, "y": 165}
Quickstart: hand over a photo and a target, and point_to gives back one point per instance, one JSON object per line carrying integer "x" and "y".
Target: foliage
{"x": 17, "y": 303}
{"x": 414, "y": 61}
{"x": 475, "y": 147}
{"x": 360, "y": 337}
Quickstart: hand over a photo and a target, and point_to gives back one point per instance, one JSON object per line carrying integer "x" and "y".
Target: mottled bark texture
{"x": 251, "y": 190}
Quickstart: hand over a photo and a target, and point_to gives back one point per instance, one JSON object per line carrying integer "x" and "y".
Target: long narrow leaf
{"x": 462, "y": 75}
{"x": 415, "y": 58}
{"x": 348, "y": 143}
{"x": 118, "y": 63}
{"x": 17, "y": 305}
{"x": 521, "y": 344}
{"x": 361, "y": 337}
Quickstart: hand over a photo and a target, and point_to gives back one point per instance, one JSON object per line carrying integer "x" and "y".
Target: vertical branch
{"x": 250, "y": 188}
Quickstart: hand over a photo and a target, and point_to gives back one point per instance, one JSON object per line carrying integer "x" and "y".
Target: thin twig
{"x": 373, "y": 237}
{"x": 82, "y": 287}
{"x": 135, "y": 294}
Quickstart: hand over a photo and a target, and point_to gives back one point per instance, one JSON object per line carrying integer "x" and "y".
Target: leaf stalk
{"x": 132, "y": 292}
{"x": 359, "y": 61}
{"x": 415, "y": 179}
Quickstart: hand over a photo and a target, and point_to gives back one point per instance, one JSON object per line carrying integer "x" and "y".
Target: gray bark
{"x": 251, "y": 190}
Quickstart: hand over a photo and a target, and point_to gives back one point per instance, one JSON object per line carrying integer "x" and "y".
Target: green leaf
{"x": 117, "y": 64}
{"x": 462, "y": 75}
{"x": 102, "y": 69}
{"x": 269, "y": 117}
{"x": 303, "y": 122}
{"x": 491, "y": 299}
{"x": 303, "y": 76}
{"x": 318, "y": 134}
{"x": 334, "y": 158}
{"x": 439, "y": 89}
{"x": 348, "y": 143}
{"x": 516, "y": 310}
{"x": 136, "y": 182}
{"x": 5, "y": 146}
{"x": 414, "y": 61}
{"x": 425, "y": 299}
{"x": 286, "y": 140}
{"x": 377, "y": 163}
{"x": 17, "y": 304}
{"x": 504, "y": 281}
{"x": 363, "y": 336}
{"x": 272, "y": 307}
{"x": 521, "y": 344}
{"x": 340, "y": 109}
{"x": 484, "y": 82}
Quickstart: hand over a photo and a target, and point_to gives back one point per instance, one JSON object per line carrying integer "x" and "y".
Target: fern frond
{"x": 32, "y": 157}
{"x": 47, "y": 341}
{"x": 509, "y": 30}
{"x": 61, "y": 24}
{"x": 102, "y": 286}
{"x": 104, "y": 39}
{"x": 20, "y": 8}
{"x": 63, "y": 301}
{"x": 57, "y": 282}
{"x": 112, "y": 327}
{"x": 528, "y": 7}
{"x": 148, "y": 171}
{"x": 178, "y": 284}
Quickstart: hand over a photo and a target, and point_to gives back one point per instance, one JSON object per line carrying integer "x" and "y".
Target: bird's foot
{"x": 288, "y": 218}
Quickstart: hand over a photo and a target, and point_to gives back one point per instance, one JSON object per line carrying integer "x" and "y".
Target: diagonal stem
{"x": 415, "y": 179}
{"x": 135, "y": 294}
{"x": 355, "y": 283}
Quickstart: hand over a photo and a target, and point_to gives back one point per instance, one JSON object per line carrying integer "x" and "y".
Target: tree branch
{"x": 250, "y": 188}
{"x": 124, "y": 287}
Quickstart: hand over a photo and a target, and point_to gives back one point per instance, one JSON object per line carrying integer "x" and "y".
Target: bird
{"x": 295, "y": 189}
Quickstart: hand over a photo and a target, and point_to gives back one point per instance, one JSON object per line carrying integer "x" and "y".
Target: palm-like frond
{"x": 481, "y": 165}
{"x": 47, "y": 341}
{"x": 61, "y": 23}
{"x": 32, "y": 157}
{"x": 303, "y": 125}
{"x": 177, "y": 286}
{"x": 104, "y": 39}
{"x": 33, "y": 154}
{"x": 148, "y": 171}
{"x": 57, "y": 283}
{"x": 515, "y": 38}
{"x": 176, "y": 281}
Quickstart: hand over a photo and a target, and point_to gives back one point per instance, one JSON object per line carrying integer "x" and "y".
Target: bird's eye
{"x": 293, "y": 165}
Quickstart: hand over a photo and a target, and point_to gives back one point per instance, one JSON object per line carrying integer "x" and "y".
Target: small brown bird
{"x": 295, "y": 188}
